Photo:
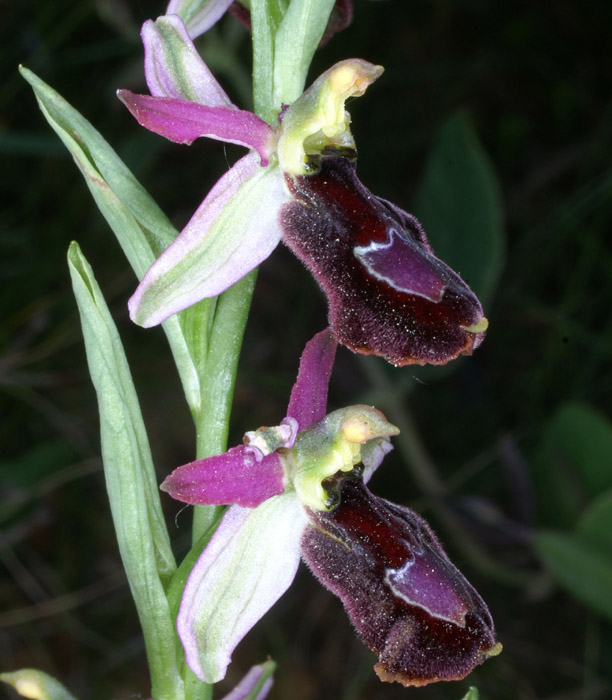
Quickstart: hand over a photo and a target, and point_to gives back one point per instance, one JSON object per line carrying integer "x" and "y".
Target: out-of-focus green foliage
{"x": 584, "y": 568}
{"x": 460, "y": 205}
{"x": 573, "y": 470}
{"x": 573, "y": 463}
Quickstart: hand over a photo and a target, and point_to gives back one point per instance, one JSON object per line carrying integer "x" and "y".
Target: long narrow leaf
{"x": 130, "y": 480}
{"x": 141, "y": 228}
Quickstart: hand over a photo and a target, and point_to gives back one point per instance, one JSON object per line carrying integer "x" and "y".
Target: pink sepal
{"x": 173, "y": 66}
{"x": 183, "y": 121}
{"x": 234, "y": 229}
{"x": 247, "y": 565}
{"x": 308, "y": 402}
{"x": 233, "y": 477}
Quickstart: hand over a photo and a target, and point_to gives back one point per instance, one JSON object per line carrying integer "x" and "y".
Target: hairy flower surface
{"x": 253, "y": 555}
{"x": 407, "y": 601}
{"x": 387, "y": 292}
{"x": 300, "y": 490}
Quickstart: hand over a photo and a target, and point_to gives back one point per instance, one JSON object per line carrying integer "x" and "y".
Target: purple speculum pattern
{"x": 407, "y": 601}
{"x": 388, "y": 294}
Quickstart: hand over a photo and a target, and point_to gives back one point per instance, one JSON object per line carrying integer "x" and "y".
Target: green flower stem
{"x": 215, "y": 338}
{"x": 216, "y": 335}
{"x": 195, "y": 688}
{"x": 219, "y": 378}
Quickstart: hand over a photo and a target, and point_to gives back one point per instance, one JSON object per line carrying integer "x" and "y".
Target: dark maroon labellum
{"x": 407, "y": 601}
{"x": 388, "y": 294}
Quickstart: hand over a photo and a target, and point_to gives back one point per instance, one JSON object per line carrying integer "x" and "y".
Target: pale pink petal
{"x": 234, "y": 229}
{"x": 248, "y": 564}
{"x": 173, "y": 66}
{"x": 236, "y": 476}
{"x": 182, "y": 121}
{"x": 308, "y": 402}
{"x": 199, "y": 17}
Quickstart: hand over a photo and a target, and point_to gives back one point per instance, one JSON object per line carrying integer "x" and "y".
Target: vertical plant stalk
{"x": 285, "y": 37}
{"x": 218, "y": 380}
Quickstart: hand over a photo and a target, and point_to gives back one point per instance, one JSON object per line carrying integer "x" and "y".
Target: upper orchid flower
{"x": 300, "y": 488}
{"x": 388, "y": 294}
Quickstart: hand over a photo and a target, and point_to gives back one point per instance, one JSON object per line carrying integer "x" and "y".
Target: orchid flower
{"x": 387, "y": 292}
{"x": 299, "y": 489}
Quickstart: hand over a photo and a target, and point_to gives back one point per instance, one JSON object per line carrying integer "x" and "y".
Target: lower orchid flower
{"x": 298, "y": 490}
{"x": 388, "y": 294}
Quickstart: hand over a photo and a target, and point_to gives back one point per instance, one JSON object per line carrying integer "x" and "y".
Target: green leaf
{"x": 296, "y": 41}
{"x": 596, "y": 521}
{"x": 140, "y": 226}
{"x": 460, "y": 206}
{"x": 130, "y": 480}
{"x": 582, "y": 437}
{"x": 572, "y": 464}
{"x": 266, "y": 15}
{"x": 580, "y": 566}
{"x": 37, "y": 685}
{"x": 92, "y": 153}
{"x": 225, "y": 343}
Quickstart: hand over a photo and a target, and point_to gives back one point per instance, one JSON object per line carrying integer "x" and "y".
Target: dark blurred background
{"x": 508, "y": 453}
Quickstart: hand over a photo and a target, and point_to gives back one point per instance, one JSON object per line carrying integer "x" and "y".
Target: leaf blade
{"x": 130, "y": 478}
{"x": 581, "y": 567}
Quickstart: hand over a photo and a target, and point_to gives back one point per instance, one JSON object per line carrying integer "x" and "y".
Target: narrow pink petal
{"x": 233, "y": 477}
{"x": 248, "y": 683}
{"x": 202, "y": 20}
{"x": 234, "y": 229}
{"x": 173, "y": 66}
{"x": 308, "y": 402}
{"x": 183, "y": 122}
{"x": 248, "y": 564}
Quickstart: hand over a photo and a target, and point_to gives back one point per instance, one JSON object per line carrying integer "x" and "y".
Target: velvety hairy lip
{"x": 388, "y": 294}
{"x": 406, "y": 599}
